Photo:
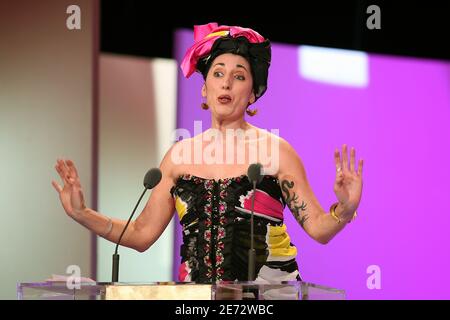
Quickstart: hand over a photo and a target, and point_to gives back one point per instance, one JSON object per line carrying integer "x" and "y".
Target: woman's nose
{"x": 226, "y": 83}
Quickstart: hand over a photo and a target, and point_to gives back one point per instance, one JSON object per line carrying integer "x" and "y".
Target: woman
{"x": 212, "y": 196}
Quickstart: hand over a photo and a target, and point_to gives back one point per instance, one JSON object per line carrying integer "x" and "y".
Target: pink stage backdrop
{"x": 398, "y": 119}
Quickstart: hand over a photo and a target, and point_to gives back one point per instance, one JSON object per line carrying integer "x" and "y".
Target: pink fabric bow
{"x": 205, "y": 36}
{"x": 264, "y": 204}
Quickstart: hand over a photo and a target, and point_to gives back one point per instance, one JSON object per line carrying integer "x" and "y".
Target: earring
{"x": 251, "y": 113}
{"x": 204, "y": 106}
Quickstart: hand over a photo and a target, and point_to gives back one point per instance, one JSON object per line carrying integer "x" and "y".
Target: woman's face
{"x": 229, "y": 86}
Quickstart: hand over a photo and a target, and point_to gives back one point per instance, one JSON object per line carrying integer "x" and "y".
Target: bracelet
{"x": 335, "y": 216}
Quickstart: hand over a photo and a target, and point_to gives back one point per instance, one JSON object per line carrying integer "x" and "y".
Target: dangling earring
{"x": 251, "y": 113}
{"x": 204, "y": 106}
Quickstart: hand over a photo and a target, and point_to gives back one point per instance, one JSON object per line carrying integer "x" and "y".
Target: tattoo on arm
{"x": 292, "y": 202}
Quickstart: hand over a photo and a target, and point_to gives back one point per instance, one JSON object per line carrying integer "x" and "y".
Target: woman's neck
{"x": 223, "y": 125}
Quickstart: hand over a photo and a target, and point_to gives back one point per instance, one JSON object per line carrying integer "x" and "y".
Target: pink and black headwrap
{"x": 212, "y": 40}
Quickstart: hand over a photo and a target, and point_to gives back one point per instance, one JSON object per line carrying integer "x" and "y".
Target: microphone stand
{"x": 115, "y": 266}
{"x": 251, "y": 251}
{"x": 250, "y": 291}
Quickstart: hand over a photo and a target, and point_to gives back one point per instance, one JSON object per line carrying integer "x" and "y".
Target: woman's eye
{"x": 218, "y": 74}
{"x": 239, "y": 77}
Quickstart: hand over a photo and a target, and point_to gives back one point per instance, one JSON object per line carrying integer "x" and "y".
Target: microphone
{"x": 151, "y": 179}
{"x": 255, "y": 176}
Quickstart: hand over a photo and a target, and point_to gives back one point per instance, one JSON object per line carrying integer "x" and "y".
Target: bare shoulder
{"x": 290, "y": 160}
{"x": 287, "y": 150}
{"x": 278, "y": 155}
{"x": 180, "y": 157}
{"x": 170, "y": 164}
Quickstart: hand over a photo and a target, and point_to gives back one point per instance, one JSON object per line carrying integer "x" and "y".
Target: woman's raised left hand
{"x": 348, "y": 183}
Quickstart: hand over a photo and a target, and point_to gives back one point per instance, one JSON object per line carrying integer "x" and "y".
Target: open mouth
{"x": 224, "y": 99}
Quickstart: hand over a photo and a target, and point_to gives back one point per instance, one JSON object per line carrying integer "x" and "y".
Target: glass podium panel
{"x": 226, "y": 290}
{"x": 288, "y": 290}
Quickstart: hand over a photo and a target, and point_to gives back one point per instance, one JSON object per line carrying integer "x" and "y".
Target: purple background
{"x": 400, "y": 125}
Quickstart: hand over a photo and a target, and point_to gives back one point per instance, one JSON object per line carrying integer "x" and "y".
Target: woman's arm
{"x": 148, "y": 226}
{"x": 142, "y": 232}
{"x": 302, "y": 202}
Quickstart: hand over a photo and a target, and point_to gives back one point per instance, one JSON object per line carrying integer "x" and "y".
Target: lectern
{"x": 227, "y": 290}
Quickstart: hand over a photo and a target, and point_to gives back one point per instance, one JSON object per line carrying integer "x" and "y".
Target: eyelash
{"x": 237, "y": 76}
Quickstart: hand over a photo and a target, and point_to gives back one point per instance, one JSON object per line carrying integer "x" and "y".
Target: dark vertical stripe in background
{"x": 95, "y": 125}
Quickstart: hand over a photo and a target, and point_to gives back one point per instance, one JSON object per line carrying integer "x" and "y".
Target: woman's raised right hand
{"x": 71, "y": 194}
